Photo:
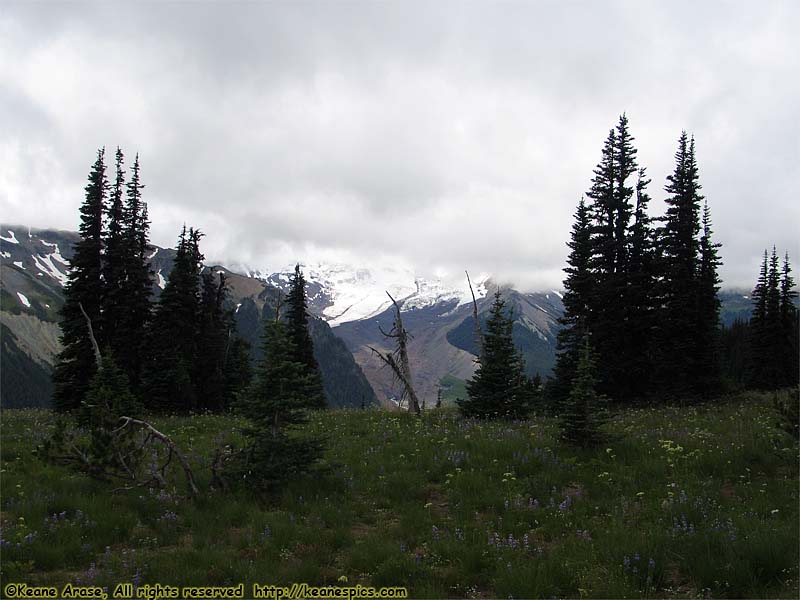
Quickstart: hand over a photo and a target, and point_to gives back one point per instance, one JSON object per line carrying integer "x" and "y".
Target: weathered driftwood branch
{"x": 478, "y": 332}
{"x": 400, "y": 365}
{"x": 164, "y": 439}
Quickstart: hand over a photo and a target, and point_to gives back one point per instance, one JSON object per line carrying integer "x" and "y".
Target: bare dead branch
{"x": 478, "y": 332}
{"x": 91, "y": 337}
{"x": 398, "y": 360}
{"x": 164, "y": 439}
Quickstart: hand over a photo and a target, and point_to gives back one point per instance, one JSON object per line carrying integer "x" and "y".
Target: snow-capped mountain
{"x": 342, "y": 293}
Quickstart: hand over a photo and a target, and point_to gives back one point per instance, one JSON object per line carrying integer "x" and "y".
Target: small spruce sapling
{"x": 584, "y": 409}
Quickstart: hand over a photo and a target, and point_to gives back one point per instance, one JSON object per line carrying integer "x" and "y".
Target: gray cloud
{"x": 457, "y": 135}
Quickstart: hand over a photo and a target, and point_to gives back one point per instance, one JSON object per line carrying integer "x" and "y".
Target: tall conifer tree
{"x": 611, "y": 211}
{"x": 173, "y": 335}
{"x": 707, "y": 379}
{"x": 637, "y": 349}
{"x": 758, "y": 348}
{"x": 789, "y": 325}
{"x": 114, "y": 264}
{"x": 677, "y": 360}
{"x": 303, "y": 347}
{"x": 138, "y": 281}
{"x": 84, "y": 289}
{"x": 217, "y": 345}
{"x": 577, "y": 294}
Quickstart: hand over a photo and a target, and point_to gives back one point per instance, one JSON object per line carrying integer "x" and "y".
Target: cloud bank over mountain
{"x": 435, "y": 138}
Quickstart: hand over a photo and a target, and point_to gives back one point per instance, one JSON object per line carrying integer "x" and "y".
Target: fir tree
{"x": 173, "y": 334}
{"x": 217, "y": 344}
{"x": 774, "y": 328}
{"x": 734, "y": 341}
{"x": 136, "y": 287}
{"x": 636, "y": 351}
{"x": 499, "y": 387}
{"x": 707, "y": 374}
{"x": 76, "y": 362}
{"x": 583, "y": 414}
{"x": 611, "y": 212}
{"x": 238, "y": 372}
{"x": 773, "y": 342}
{"x": 276, "y": 403}
{"x": 790, "y": 325}
{"x": 677, "y": 360}
{"x": 758, "y": 348}
{"x": 114, "y": 264}
{"x": 297, "y": 325}
{"x": 577, "y": 293}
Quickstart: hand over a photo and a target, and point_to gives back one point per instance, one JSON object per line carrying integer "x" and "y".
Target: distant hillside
{"x": 442, "y": 340}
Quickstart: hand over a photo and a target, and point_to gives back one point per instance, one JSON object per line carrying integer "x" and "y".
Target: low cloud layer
{"x": 446, "y": 137}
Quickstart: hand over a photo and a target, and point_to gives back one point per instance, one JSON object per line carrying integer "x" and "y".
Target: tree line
{"x": 641, "y": 307}
{"x": 762, "y": 352}
{"x": 642, "y": 290}
{"x": 123, "y": 353}
{"x": 180, "y": 353}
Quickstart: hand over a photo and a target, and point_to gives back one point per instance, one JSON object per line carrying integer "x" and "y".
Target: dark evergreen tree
{"x": 790, "y": 325}
{"x": 76, "y": 362}
{"x": 773, "y": 331}
{"x": 297, "y": 325}
{"x": 706, "y": 378}
{"x": 216, "y": 381}
{"x": 584, "y": 410}
{"x": 499, "y": 388}
{"x": 758, "y": 349}
{"x": 611, "y": 212}
{"x": 677, "y": 360}
{"x": 774, "y": 327}
{"x": 734, "y": 341}
{"x": 637, "y": 349}
{"x": 577, "y": 294}
{"x": 238, "y": 370}
{"x": 276, "y": 403}
{"x": 173, "y": 334}
{"x": 114, "y": 301}
{"x": 136, "y": 286}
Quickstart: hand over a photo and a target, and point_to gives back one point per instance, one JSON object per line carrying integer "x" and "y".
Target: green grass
{"x": 685, "y": 502}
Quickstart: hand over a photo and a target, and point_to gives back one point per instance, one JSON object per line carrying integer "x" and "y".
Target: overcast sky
{"x": 442, "y": 136}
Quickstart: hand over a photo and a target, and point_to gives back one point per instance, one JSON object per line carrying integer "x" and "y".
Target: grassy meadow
{"x": 682, "y": 502}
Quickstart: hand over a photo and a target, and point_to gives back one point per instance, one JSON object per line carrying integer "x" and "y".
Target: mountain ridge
{"x": 349, "y": 299}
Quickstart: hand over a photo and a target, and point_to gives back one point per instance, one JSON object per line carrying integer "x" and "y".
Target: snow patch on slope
{"x": 56, "y": 254}
{"x": 352, "y": 294}
{"x": 45, "y": 264}
{"x": 23, "y": 299}
{"x": 12, "y": 239}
